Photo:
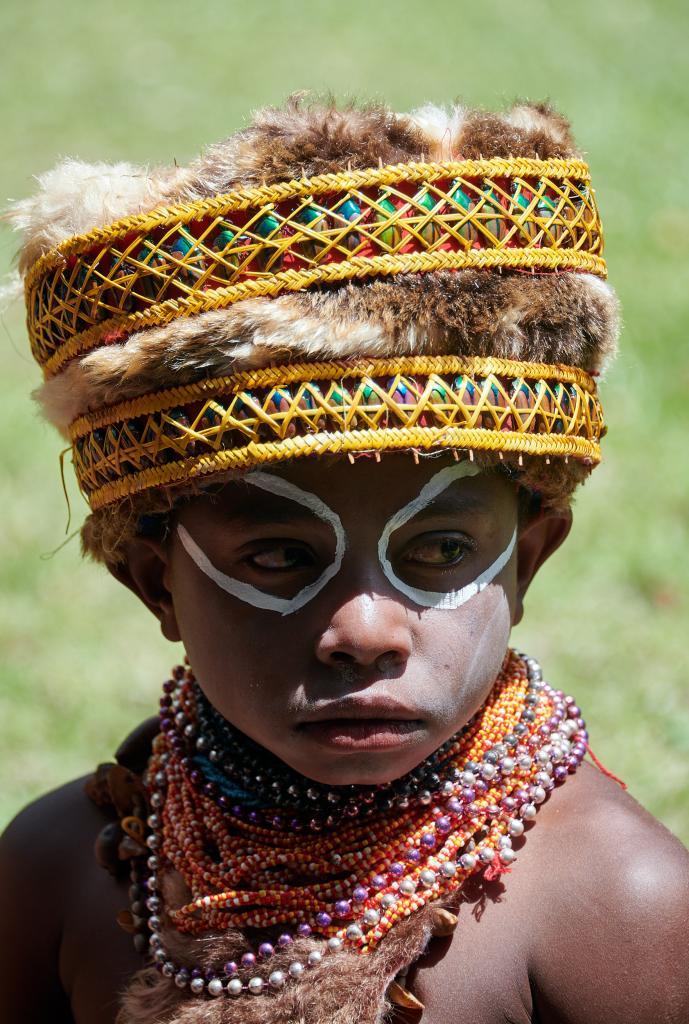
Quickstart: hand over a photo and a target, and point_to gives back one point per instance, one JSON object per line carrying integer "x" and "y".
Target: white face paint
{"x": 430, "y": 598}
{"x": 252, "y": 595}
{"x": 286, "y": 606}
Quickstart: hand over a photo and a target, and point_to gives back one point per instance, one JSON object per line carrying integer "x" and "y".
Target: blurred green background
{"x": 155, "y": 81}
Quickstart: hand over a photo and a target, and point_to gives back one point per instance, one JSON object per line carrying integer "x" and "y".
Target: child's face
{"x": 366, "y": 673}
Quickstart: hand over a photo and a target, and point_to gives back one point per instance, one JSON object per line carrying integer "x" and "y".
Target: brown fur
{"x": 314, "y": 137}
{"x": 306, "y": 136}
{"x": 556, "y": 318}
{"x": 543, "y": 134}
{"x": 304, "y": 139}
{"x": 347, "y": 987}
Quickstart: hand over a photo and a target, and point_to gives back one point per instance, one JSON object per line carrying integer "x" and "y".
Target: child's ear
{"x": 144, "y": 572}
{"x": 538, "y": 539}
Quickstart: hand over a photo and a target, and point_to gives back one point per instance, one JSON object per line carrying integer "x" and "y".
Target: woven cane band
{"x": 150, "y": 269}
{"x": 422, "y": 403}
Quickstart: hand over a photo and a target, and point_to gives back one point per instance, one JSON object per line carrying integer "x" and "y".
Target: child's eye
{"x": 282, "y": 557}
{"x": 441, "y": 551}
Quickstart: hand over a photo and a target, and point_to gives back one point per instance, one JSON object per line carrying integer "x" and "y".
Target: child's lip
{"x": 361, "y": 709}
{"x": 357, "y": 733}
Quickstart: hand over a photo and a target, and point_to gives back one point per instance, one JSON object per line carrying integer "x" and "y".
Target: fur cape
{"x": 346, "y": 986}
{"x": 568, "y": 317}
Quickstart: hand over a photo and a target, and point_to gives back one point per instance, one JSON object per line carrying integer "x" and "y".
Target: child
{"x": 329, "y": 390}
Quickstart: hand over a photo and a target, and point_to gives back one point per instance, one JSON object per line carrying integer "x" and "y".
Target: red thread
{"x": 602, "y": 768}
{"x": 496, "y": 868}
{"x": 114, "y": 336}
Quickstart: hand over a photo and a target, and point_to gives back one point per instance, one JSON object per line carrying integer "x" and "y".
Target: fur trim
{"x": 76, "y": 197}
{"x": 244, "y": 336}
{"x": 306, "y": 139}
{"x": 540, "y": 119}
{"x": 347, "y": 987}
{"x": 440, "y": 128}
{"x": 546, "y": 135}
{"x": 563, "y": 318}
{"x": 301, "y": 138}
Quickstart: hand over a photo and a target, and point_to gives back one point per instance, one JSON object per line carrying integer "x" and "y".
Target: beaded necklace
{"x": 252, "y": 860}
{"x": 251, "y": 782}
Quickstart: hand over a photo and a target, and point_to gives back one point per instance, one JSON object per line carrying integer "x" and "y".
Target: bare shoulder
{"x": 42, "y": 854}
{"x": 64, "y": 956}
{"x": 46, "y": 841}
{"x": 615, "y": 943}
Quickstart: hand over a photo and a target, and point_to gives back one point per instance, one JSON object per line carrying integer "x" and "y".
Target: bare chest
{"x": 479, "y": 975}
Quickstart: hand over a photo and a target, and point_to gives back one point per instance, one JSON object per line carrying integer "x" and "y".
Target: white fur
{"x": 609, "y": 296}
{"x": 10, "y": 290}
{"x": 533, "y": 120}
{"x": 441, "y": 127}
{"x": 211, "y": 344}
{"x": 75, "y": 197}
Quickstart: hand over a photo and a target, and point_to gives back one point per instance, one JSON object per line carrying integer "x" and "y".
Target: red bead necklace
{"x": 349, "y": 885}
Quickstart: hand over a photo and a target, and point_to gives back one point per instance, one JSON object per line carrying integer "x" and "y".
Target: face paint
{"x": 286, "y": 606}
{"x": 252, "y": 595}
{"x": 430, "y": 598}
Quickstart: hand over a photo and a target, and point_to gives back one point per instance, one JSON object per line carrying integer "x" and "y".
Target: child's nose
{"x": 367, "y": 630}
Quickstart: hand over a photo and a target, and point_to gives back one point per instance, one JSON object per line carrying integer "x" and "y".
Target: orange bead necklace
{"x": 346, "y": 886}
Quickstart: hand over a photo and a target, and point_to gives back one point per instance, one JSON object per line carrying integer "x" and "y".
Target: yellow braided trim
{"x": 128, "y": 280}
{"x": 389, "y": 439}
{"x": 552, "y": 422}
{"x": 331, "y": 370}
{"x": 359, "y": 267}
{"x": 241, "y": 199}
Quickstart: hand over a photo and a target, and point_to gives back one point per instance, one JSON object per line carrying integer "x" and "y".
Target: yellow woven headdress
{"x": 327, "y": 281}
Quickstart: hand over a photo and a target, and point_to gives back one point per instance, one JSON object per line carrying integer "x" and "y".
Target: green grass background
{"x": 155, "y": 81}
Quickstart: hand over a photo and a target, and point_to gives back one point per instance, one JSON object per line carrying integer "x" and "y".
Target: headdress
{"x": 325, "y": 281}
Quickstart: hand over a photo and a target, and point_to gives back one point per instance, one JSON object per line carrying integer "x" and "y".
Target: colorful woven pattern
{"x": 424, "y": 403}
{"x": 150, "y": 269}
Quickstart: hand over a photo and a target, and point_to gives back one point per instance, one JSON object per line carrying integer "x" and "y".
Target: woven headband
{"x": 423, "y": 403}
{"x": 150, "y": 269}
